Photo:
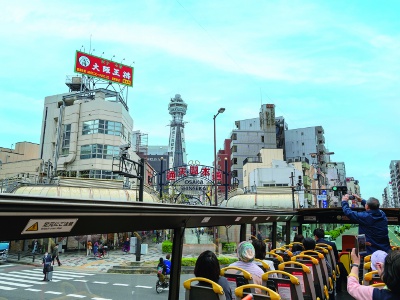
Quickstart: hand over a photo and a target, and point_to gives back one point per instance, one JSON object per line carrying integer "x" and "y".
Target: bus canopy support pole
{"x": 176, "y": 263}
{"x": 274, "y": 232}
{"x": 288, "y": 231}
{"x": 243, "y": 232}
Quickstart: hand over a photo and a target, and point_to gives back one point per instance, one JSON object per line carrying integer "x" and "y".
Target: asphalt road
{"x": 20, "y": 282}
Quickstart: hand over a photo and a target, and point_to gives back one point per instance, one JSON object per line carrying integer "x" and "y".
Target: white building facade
{"x": 83, "y": 131}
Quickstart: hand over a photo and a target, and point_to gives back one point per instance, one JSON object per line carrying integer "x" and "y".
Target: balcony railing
{"x": 256, "y": 159}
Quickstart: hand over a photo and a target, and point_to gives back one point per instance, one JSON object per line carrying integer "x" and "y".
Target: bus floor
{"x": 343, "y": 295}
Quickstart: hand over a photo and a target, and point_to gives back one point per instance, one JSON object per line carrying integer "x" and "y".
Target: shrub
{"x": 228, "y": 247}
{"x": 223, "y": 260}
{"x": 166, "y": 247}
{"x": 189, "y": 261}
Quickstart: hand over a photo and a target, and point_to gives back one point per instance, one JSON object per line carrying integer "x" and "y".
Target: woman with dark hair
{"x": 207, "y": 266}
{"x": 261, "y": 250}
{"x": 389, "y": 271}
{"x": 299, "y": 239}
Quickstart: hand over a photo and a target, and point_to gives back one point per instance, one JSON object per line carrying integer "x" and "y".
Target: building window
{"x": 302, "y": 133}
{"x": 99, "y": 151}
{"x": 104, "y": 127}
{"x": 234, "y": 161}
{"x": 302, "y": 144}
{"x": 66, "y": 139}
{"x": 234, "y": 149}
{"x": 234, "y": 136}
{"x": 262, "y": 139}
{"x": 99, "y": 174}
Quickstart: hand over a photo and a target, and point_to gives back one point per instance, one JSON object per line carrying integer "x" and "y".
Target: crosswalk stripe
{"x": 52, "y": 292}
{"x": 100, "y": 282}
{"x": 76, "y": 296}
{"x": 100, "y": 298}
{"x": 57, "y": 273}
{"x": 22, "y": 279}
{"x": 28, "y": 276}
{"x": 33, "y": 290}
{"x": 4, "y": 266}
{"x": 121, "y": 284}
{"x": 7, "y": 288}
{"x": 69, "y": 273}
{"x": 80, "y": 280}
{"x": 144, "y": 286}
{"x": 15, "y": 284}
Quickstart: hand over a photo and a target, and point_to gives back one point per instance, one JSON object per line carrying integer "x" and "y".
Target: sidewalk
{"x": 79, "y": 260}
{"x": 117, "y": 258}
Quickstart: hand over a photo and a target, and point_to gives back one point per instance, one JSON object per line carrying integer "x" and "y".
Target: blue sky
{"x": 329, "y": 63}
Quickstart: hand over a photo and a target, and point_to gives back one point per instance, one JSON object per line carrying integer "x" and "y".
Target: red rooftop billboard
{"x": 103, "y": 68}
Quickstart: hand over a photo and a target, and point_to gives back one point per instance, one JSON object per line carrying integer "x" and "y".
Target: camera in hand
{"x": 351, "y": 197}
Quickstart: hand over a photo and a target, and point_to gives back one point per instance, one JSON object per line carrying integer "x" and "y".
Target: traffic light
{"x": 336, "y": 189}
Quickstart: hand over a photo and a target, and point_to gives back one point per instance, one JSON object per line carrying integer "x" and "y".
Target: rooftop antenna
{"x": 132, "y": 64}
{"x": 112, "y": 57}
{"x": 102, "y": 54}
{"x": 81, "y": 48}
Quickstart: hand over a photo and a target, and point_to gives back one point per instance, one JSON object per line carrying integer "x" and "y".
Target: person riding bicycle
{"x": 167, "y": 265}
{"x": 160, "y": 270}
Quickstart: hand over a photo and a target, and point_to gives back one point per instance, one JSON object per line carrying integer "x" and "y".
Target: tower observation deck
{"x": 177, "y": 149}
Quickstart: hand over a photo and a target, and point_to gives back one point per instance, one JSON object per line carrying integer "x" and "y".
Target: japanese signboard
{"x": 49, "y": 226}
{"x": 102, "y": 68}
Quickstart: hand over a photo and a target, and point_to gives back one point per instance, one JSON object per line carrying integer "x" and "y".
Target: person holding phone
{"x": 372, "y": 222}
{"x": 388, "y": 270}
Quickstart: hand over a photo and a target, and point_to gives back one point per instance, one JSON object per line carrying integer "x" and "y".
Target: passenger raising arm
{"x": 372, "y": 222}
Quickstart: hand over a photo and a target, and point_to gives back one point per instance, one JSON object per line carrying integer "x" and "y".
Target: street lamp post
{"x": 220, "y": 111}
{"x": 161, "y": 179}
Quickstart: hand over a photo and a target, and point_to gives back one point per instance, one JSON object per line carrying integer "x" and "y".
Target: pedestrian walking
{"x": 95, "y": 248}
{"x": 157, "y": 237}
{"x": 126, "y": 246}
{"x": 34, "y": 246}
{"x": 55, "y": 255}
{"x": 46, "y": 261}
{"x": 89, "y": 248}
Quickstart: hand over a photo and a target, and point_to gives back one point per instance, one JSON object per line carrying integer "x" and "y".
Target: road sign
{"x": 321, "y": 197}
{"x": 323, "y": 192}
{"x": 324, "y": 204}
{"x": 49, "y": 225}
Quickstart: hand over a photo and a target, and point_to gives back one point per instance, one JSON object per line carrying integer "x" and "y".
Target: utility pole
{"x": 292, "y": 182}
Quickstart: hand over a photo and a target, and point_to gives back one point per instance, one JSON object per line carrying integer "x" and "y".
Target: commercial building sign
{"x": 103, "y": 68}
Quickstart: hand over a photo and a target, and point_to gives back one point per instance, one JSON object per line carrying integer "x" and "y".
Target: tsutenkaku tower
{"x": 177, "y": 149}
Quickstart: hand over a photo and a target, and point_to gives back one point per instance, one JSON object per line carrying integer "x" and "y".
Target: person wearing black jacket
{"x": 46, "y": 264}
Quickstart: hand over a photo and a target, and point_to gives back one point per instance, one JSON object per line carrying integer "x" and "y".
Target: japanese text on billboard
{"x": 102, "y": 68}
